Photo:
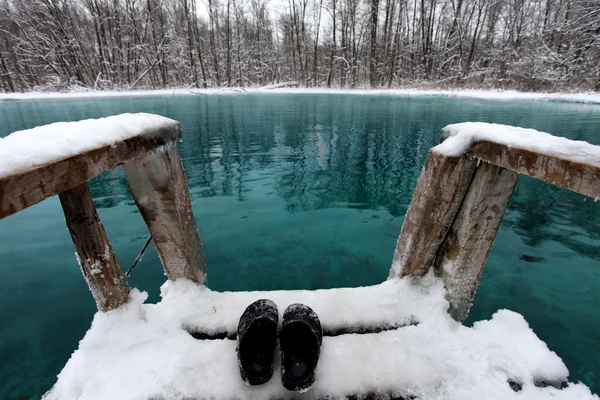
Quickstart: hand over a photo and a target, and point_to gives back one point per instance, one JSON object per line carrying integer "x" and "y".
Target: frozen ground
{"x": 480, "y": 94}
{"x": 143, "y": 351}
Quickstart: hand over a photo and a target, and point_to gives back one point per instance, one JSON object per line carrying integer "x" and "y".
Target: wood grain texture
{"x": 98, "y": 262}
{"x": 28, "y": 187}
{"x": 440, "y": 190}
{"x": 160, "y": 190}
{"x": 568, "y": 174}
{"x": 464, "y": 251}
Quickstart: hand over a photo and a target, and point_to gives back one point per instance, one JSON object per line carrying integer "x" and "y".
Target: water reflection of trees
{"x": 322, "y": 151}
{"x": 540, "y": 212}
{"x": 110, "y": 189}
{"x": 352, "y": 155}
{"x": 337, "y": 151}
{"x": 362, "y": 152}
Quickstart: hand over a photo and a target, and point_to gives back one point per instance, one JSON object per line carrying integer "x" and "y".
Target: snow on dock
{"x": 144, "y": 351}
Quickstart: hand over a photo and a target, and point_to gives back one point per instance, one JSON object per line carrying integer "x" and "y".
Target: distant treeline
{"x": 121, "y": 44}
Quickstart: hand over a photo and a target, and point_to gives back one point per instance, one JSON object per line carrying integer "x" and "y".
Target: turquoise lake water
{"x": 301, "y": 191}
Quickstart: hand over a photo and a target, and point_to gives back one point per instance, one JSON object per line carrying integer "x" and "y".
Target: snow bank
{"x": 460, "y": 138}
{"x": 26, "y": 149}
{"x": 477, "y": 94}
{"x": 142, "y": 351}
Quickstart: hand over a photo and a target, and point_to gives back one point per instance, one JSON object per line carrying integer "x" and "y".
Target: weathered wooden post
{"x": 98, "y": 263}
{"x": 464, "y": 251}
{"x": 451, "y": 224}
{"x": 440, "y": 190}
{"x": 157, "y": 182}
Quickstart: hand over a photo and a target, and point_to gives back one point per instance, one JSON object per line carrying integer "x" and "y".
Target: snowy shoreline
{"x": 590, "y": 97}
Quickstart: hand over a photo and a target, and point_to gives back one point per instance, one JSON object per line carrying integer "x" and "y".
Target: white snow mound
{"x": 142, "y": 351}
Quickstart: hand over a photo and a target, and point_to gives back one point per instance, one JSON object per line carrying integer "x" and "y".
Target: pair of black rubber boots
{"x": 300, "y": 342}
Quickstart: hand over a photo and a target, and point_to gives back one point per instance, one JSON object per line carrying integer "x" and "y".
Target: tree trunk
{"x": 373, "y": 52}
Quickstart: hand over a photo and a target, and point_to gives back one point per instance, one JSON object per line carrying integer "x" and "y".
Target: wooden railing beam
{"x": 569, "y": 174}
{"x": 26, "y": 188}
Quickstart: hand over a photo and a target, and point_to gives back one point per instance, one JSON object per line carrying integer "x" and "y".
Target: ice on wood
{"x": 30, "y": 148}
{"x": 142, "y": 351}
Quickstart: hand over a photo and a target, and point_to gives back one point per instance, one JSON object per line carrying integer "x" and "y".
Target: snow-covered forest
{"x": 123, "y": 44}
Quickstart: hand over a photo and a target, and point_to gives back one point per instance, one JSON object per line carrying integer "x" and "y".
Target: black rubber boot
{"x": 257, "y": 338}
{"x": 300, "y": 342}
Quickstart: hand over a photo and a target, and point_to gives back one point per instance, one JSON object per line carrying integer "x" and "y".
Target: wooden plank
{"x": 465, "y": 248}
{"x": 26, "y": 188}
{"x": 568, "y": 174}
{"x": 98, "y": 263}
{"x": 159, "y": 188}
{"x": 440, "y": 190}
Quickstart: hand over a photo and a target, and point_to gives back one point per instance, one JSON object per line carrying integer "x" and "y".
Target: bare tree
{"x": 107, "y": 44}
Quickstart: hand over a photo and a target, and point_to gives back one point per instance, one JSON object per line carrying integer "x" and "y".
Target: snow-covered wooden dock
{"x": 144, "y": 351}
{"x": 400, "y": 339}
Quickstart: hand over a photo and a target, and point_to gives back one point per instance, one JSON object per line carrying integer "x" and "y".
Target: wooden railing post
{"x": 464, "y": 251}
{"x": 440, "y": 189}
{"x": 451, "y": 224}
{"x": 157, "y": 182}
{"x": 98, "y": 263}
{"x": 463, "y": 192}
{"x": 32, "y": 174}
